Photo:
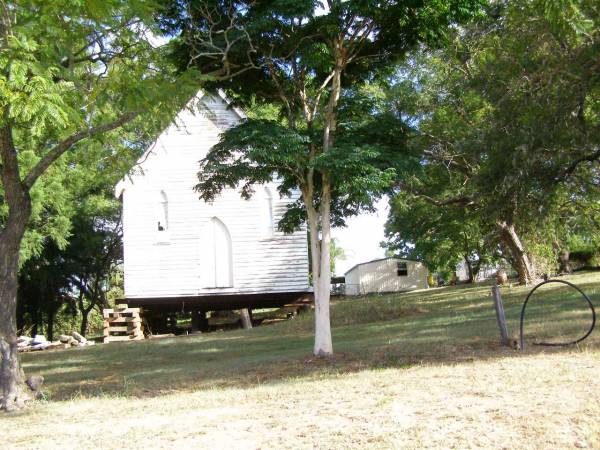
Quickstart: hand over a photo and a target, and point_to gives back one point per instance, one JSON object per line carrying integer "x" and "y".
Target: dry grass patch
{"x": 537, "y": 401}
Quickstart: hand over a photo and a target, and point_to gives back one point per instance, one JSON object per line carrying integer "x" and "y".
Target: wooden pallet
{"x": 122, "y": 324}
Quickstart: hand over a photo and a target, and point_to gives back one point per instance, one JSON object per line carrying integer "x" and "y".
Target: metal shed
{"x": 386, "y": 275}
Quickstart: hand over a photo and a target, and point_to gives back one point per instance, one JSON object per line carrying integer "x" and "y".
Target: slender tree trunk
{"x": 476, "y": 268}
{"x": 53, "y": 303}
{"x": 323, "y": 341}
{"x": 35, "y": 314}
{"x": 321, "y": 249}
{"x": 469, "y": 266}
{"x": 50, "y": 326}
{"x": 85, "y": 312}
{"x": 520, "y": 259}
{"x": 323, "y": 344}
{"x": 84, "y": 322}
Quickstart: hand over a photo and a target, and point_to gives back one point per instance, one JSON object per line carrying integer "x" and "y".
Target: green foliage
{"x": 61, "y": 283}
{"x": 442, "y": 239}
{"x": 258, "y": 150}
{"x": 337, "y": 254}
{"x": 285, "y": 53}
{"x": 278, "y": 32}
{"x": 508, "y": 130}
{"x": 66, "y": 68}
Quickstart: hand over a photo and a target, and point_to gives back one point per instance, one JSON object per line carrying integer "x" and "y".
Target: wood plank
{"x": 119, "y": 315}
{"x": 139, "y": 337}
{"x": 121, "y": 330}
{"x": 123, "y": 314}
{"x": 120, "y": 338}
{"x": 127, "y": 310}
{"x": 118, "y": 329}
{"x": 124, "y": 320}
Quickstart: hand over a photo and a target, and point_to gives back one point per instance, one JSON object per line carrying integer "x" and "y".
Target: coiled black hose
{"x": 556, "y": 344}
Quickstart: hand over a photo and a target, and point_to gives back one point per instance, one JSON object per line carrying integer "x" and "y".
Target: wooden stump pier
{"x": 122, "y": 324}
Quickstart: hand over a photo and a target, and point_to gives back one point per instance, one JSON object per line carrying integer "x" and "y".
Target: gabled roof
{"x": 381, "y": 259}
{"x": 241, "y": 114}
{"x": 120, "y": 186}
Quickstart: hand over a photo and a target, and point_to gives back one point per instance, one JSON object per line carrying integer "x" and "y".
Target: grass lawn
{"x": 414, "y": 370}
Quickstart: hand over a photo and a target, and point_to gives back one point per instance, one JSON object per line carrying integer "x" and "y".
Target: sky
{"x": 360, "y": 239}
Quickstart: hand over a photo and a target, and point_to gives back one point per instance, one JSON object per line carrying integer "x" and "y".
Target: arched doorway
{"x": 217, "y": 255}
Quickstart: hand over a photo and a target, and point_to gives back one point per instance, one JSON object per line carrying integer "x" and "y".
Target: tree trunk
{"x": 323, "y": 341}
{"x": 563, "y": 261}
{"x": 321, "y": 249}
{"x": 12, "y": 393}
{"x": 520, "y": 258}
{"x": 476, "y": 268}
{"x": 323, "y": 344}
{"x": 12, "y": 388}
{"x": 53, "y": 306}
{"x": 50, "y": 325}
{"x": 84, "y": 322}
{"x": 37, "y": 326}
{"x": 469, "y": 266}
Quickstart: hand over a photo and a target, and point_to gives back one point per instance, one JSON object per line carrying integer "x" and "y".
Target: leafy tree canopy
{"x": 362, "y": 162}
{"x": 508, "y": 124}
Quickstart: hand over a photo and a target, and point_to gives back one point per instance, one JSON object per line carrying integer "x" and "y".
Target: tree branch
{"x": 460, "y": 200}
{"x": 590, "y": 157}
{"x": 57, "y": 151}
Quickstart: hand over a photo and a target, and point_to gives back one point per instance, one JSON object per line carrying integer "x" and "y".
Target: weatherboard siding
{"x": 382, "y": 276}
{"x": 174, "y": 262}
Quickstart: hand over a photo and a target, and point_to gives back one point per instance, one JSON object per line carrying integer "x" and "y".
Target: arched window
{"x": 162, "y": 212}
{"x": 266, "y": 214}
{"x": 218, "y": 267}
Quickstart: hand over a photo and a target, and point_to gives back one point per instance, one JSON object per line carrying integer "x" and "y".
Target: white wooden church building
{"x": 181, "y": 252}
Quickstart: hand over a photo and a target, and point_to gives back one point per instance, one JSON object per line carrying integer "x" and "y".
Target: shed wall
{"x": 382, "y": 276}
{"x": 352, "y": 286}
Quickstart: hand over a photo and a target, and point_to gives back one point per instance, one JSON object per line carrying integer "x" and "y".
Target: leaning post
{"x": 500, "y": 314}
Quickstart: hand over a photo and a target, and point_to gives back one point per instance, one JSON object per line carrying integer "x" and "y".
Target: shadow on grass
{"x": 450, "y": 325}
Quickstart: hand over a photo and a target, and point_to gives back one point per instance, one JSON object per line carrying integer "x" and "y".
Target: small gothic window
{"x": 162, "y": 212}
{"x": 402, "y": 269}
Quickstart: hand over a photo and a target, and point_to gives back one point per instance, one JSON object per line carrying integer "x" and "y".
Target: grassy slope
{"x": 412, "y": 370}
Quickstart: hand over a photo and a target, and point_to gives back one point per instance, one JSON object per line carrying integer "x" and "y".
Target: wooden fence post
{"x": 500, "y": 314}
